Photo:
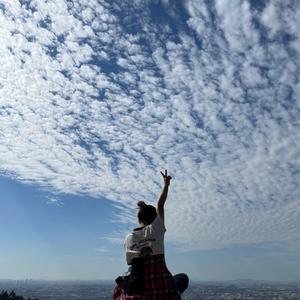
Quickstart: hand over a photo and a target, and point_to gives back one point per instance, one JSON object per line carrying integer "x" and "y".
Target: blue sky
{"x": 97, "y": 97}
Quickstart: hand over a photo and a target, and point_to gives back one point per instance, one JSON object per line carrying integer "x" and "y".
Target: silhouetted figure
{"x": 148, "y": 276}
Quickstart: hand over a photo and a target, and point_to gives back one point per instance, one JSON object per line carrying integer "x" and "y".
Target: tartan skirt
{"x": 158, "y": 282}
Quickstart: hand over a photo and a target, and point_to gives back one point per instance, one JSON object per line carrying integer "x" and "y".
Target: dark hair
{"x": 147, "y": 213}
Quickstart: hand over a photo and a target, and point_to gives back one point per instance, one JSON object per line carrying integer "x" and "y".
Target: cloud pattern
{"x": 97, "y": 97}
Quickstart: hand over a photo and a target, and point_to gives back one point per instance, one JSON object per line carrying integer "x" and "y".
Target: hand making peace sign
{"x": 166, "y": 177}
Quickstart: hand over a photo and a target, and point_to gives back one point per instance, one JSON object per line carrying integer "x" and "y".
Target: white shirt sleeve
{"x": 130, "y": 254}
{"x": 158, "y": 225}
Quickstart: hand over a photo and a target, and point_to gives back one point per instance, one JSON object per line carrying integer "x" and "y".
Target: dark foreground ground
{"x": 92, "y": 290}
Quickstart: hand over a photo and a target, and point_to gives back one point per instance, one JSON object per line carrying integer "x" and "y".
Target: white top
{"x": 150, "y": 236}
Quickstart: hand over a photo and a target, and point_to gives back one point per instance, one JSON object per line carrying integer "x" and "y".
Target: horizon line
{"x": 191, "y": 280}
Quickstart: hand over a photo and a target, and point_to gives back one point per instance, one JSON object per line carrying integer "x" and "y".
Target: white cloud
{"x": 102, "y": 250}
{"x": 54, "y": 201}
{"x": 88, "y": 108}
{"x": 270, "y": 18}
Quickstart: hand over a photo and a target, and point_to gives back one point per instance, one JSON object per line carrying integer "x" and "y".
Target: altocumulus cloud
{"x": 97, "y": 97}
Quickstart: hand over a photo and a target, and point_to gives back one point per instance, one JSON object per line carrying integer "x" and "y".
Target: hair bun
{"x": 141, "y": 204}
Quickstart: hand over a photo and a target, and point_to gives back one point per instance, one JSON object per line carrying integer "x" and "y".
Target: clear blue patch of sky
{"x": 28, "y": 217}
{"x": 265, "y": 261}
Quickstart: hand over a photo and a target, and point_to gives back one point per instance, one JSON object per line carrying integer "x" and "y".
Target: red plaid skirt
{"x": 159, "y": 283}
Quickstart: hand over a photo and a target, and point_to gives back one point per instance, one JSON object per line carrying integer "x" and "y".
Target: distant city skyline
{"x": 61, "y": 290}
{"x": 97, "y": 97}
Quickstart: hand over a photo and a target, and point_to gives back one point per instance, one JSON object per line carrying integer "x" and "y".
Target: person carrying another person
{"x": 148, "y": 276}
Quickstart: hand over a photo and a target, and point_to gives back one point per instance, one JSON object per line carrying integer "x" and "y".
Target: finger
{"x": 166, "y": 172}
{"x": 162, "y": 174}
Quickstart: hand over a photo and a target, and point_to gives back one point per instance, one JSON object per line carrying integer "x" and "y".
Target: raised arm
{"x": 163, "y": 196}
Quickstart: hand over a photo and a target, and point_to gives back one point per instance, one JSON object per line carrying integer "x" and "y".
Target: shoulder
{"x": 158, "y": 224}
{"x": 129, "y": 235}
{"x": 134, "y": 236}
{"x": 128, "y": 238}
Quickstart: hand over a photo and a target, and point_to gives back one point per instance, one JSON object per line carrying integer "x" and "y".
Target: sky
{"x": 97, "y": 97}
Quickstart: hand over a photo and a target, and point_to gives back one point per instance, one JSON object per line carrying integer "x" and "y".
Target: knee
{"x": 182, "y": 281}
{"x": 185, "y": 279}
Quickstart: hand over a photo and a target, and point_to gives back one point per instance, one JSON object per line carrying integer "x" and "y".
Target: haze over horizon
{"x": 97, "y": 98}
